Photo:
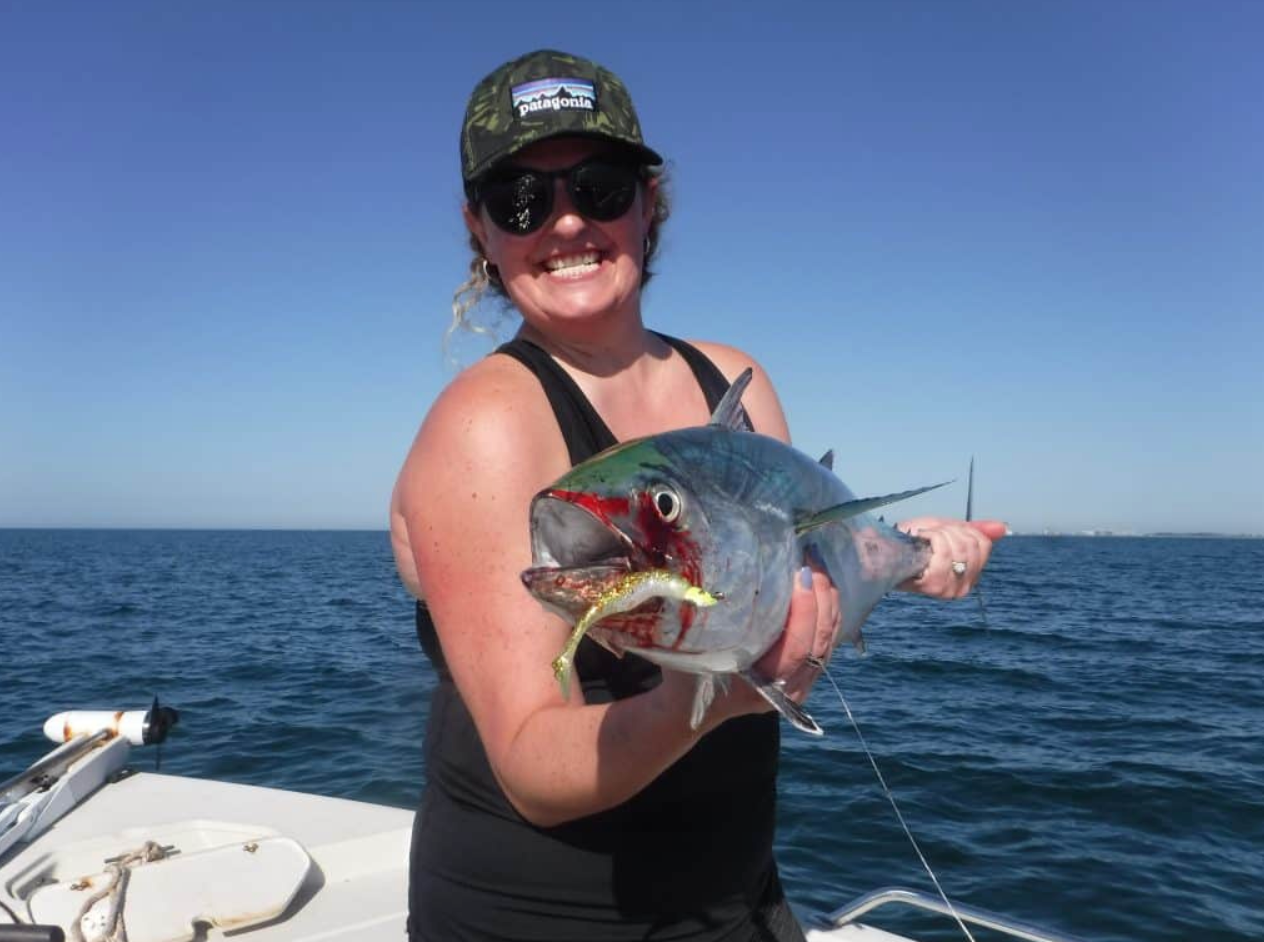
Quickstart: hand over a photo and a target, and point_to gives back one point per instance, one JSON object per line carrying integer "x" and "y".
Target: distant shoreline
{"x": 1058, "y": 534}
{"x": 1157, "y": 535}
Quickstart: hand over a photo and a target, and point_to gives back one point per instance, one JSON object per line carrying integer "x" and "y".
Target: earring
{"x": 487, "y": 270}
{"x": 645, "y": 249}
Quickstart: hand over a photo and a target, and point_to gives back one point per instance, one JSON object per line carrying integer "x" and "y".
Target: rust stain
{"x": 240, "y": 920}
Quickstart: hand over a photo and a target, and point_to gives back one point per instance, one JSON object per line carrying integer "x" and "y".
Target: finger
{"x": 827, "y": 608}
{"x": 785, "y": 660}
{"x": 914, "y": 525}
{"x": 800, "y": 633}
{"x": 953, "y": 548}
{"x": 965, "y": 561}
{"x": 966, "y": 549}
{"x": 836, "y": 620}
{"x": 992, "y": 529}
{"x": 985, "y": 544}
{"x": 807, "y": 633}
{"x": 825, "y": 615}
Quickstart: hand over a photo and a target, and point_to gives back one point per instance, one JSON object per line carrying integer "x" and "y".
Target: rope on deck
{"x": 120, "y": 869}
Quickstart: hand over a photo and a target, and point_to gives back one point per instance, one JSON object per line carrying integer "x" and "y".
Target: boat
{"x": 93, "y": 850}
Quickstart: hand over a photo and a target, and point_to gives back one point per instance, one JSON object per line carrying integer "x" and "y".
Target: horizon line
{"x": 1048, "y": 532}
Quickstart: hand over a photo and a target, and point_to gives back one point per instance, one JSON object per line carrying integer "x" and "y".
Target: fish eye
{"x": 666, "y": 502}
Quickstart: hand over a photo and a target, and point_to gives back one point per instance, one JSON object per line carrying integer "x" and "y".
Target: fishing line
{"x": 894, "y": 807}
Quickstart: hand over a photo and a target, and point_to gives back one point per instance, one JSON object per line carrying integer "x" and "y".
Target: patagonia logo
{"x": 554, "y": 94}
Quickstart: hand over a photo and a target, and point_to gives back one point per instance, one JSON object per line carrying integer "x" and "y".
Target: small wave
{"x": 965, "y": 672}
{"x": 344, "y": 602}
{"x": 112, "y": 609}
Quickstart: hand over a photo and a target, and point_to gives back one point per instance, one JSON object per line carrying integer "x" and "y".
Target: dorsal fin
{"x": 854, "y": 508}
{"x": 827, "y": 459}
{"x": 729, "y": 413}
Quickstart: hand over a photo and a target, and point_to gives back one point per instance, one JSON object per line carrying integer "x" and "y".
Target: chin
{"x": 586, "y": 302}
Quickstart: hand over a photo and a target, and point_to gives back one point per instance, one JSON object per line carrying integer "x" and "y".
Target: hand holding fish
{"x": 797, "y": 658}
{"x": 959, "y": 551}
{"x": 812, "y": 628}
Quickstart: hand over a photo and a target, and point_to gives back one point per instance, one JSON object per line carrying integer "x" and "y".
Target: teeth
{"x": 577, "y": 264}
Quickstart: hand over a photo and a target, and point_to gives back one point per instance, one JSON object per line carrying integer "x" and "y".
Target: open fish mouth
{"x": 572, "y": 529}
{"x": 579, "y": 553}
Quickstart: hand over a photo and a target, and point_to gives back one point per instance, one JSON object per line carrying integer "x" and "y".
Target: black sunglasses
{"x": 520, "y": 200}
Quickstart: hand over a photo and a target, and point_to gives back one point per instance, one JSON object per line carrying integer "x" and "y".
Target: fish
{"x": 682, "y": 548}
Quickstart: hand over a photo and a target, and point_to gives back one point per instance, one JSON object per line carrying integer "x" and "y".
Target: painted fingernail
{"x": 805, "y": 577}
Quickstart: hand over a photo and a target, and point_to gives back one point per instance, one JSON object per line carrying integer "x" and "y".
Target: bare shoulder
{"x": 761, "y": 401}
{"x": 487, "y": 444}
{"x": 492, "y": 417}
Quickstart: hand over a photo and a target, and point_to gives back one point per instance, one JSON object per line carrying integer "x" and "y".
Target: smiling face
{"x": 573, "y": 272}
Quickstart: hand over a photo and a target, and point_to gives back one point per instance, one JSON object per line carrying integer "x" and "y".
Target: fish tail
{"x": 562, "y": 663}
{"x": 562, "y": 671}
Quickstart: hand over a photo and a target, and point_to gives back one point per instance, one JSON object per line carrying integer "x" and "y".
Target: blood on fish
{"x": 672, "y": 548}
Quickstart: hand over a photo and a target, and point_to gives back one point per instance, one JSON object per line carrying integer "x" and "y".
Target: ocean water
{"x": 1092, "y": 759}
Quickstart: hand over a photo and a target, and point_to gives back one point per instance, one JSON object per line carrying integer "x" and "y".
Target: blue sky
{"x": 1032, "y": 232}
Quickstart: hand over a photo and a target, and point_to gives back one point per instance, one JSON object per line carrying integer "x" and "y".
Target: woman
{"x": 603, "y": 816}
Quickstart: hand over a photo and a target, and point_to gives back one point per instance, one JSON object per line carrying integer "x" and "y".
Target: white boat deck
{"x": 355, "y": 889}
{"x": 359, "y": 851}
{"x": 249, "y": 863}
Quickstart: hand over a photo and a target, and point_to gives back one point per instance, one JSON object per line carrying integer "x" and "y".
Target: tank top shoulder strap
{"x": 582, "y": 428}
{"x": 714, "y": 383}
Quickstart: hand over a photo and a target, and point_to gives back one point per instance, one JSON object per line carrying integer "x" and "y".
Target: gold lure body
{"x": 627, "y": 593}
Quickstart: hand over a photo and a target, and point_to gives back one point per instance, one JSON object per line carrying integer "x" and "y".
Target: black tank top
{"x": 689, "y": 857}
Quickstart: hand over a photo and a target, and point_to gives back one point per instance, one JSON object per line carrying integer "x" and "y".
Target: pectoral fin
{"x": 797, "y": 716}
{"x": 702, "y": 699}
{"x": 854, "y": 508}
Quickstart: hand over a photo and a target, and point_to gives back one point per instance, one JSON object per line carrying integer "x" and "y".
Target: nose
{"x": 566, "y": 221}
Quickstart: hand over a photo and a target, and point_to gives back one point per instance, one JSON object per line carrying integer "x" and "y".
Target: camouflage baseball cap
{"x": 541, "y": 95}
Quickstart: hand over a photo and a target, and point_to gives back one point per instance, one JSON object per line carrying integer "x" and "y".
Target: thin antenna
{"x": 978, "y": 592}
{"x": 970, "y": 492}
